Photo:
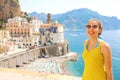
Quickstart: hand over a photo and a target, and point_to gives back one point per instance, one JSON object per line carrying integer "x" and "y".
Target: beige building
{"x": 24, "y": 34}
{"x": 20, "y": 31}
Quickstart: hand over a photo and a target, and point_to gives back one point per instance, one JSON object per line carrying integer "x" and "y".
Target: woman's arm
{"x": 105, "y": 49}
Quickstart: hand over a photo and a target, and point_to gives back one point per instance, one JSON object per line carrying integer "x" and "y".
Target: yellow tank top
{"x": 94, "y": 64}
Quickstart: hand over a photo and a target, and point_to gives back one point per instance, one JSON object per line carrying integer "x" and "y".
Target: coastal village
{"x": 31, "y": 49}
{"x": 19, "y": 33}
{"x": 40, "y": 45}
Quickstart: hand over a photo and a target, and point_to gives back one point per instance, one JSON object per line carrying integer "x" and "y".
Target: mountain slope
{"x": 78, "y": 18}
{"x": 9, "y": 9}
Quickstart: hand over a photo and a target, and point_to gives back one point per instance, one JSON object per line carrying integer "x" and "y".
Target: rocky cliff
{"x": 9, "y": 9}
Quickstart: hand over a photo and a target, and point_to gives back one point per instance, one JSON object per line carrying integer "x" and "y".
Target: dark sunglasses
{"x": 93, "y": 26}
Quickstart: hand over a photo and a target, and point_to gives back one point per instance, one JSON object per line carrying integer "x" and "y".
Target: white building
{"x": 35, "y": 25}
{"x": 51, "y": 33}
{"x": 59, "y": 35}
{"x": 19, "y": 20}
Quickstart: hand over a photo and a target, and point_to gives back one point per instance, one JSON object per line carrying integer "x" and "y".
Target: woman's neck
{"x": 93, "y": 40}
{"x": 92, "y": 44}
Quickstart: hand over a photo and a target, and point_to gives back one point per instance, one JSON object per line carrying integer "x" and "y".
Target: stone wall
{"x": 13, "y": 58}
{"x": 56, "y": 49}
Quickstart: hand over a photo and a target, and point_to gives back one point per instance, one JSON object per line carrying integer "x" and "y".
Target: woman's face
{"x": 92, "y": 29}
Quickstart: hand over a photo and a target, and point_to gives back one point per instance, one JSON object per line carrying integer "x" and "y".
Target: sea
{"x": 76, "y": 40}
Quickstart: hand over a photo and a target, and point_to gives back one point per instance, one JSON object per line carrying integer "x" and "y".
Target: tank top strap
{"x": 87, "y": 46}
{"x": 97, "y": 44}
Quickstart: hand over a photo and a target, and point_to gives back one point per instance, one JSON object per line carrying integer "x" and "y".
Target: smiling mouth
{"x": 91, "y": 32}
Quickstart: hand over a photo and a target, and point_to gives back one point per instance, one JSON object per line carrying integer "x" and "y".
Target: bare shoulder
{"x": 105, "y": 48}
{"x": 103, "y": 44}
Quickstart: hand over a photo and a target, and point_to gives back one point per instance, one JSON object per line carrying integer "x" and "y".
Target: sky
{"x": 103, "y": 7}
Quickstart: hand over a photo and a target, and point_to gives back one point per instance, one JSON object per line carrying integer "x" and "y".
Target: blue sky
{"x": 104, "y": 7}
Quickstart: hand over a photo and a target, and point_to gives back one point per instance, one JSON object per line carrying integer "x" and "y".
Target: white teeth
{"x": 91, "y": 32}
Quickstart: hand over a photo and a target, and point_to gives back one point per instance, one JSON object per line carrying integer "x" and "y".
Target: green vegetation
{"x": 15, "y": 1}
{"x": 2, "y": 25}
{"x": 26, "y": 16}
{"x": 2, "y": 28}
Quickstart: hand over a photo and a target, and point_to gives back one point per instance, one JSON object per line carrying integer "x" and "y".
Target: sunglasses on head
{"x": 92, "y": 26}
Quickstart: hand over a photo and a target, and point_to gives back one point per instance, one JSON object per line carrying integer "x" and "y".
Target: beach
{"x": 53, "y": 65}
{"x": 48, "y": 68}
{"x": 16, "y": 74}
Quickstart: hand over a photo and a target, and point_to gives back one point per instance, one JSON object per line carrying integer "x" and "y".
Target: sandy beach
{"x": 53, "y": 65}
{"x": 47, "y": 68}
{"x": 16, "y": 74}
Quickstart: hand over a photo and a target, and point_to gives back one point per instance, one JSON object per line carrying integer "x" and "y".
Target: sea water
{"x": 76, "y": 40}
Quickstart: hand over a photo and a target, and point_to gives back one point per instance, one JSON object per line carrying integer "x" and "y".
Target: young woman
{"x": 96, "y": 54}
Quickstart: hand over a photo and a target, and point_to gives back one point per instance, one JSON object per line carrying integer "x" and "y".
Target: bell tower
{"x": 48, "y": 18}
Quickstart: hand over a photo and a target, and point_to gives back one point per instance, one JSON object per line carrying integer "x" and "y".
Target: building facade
{"x": 51, "y": 33}
{"x": 20, "y": 31}
{"x": 35, "y": 25}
